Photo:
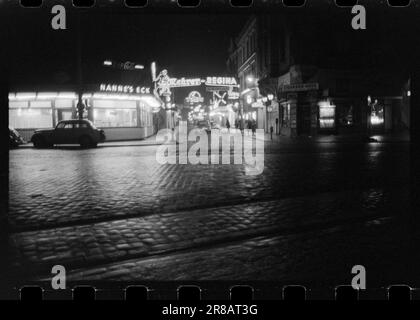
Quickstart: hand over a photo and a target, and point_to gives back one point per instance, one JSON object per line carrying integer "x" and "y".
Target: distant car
{"x": 15, "y": 138}
{"x": 214, "y": 126}
{"x": 81, "y": 132}
{"x": 203, "y": 125}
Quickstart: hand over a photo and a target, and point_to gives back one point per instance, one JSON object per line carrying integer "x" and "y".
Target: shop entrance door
{"x": 304, "y": 119}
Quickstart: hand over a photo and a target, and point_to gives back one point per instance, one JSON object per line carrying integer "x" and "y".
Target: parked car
{"x": 203, "y": 125}
{"x": 81, "y": 132}
{"x": 15, "y": 138}
{"x": 214, "y": 126}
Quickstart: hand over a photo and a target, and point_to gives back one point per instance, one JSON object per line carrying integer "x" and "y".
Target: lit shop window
{"x": 145, "y": 116}
{"x": 30, "y": 118}
{"x": 63, "y": 104}
{"x": 254, "y": 115}
{"x": 286, "y": 115}
{"x": 377, "y": 115}
{"x": 115, "y": 117}
{"x": 63, "y": 115}
{"x": 326, "y": 115}
{"x": 114, "y": 113}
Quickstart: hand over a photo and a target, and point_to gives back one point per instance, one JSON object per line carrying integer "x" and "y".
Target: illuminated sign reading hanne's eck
{"x": 116, "y": 88}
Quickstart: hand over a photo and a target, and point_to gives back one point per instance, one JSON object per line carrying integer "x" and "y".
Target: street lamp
{"x": 248, "y": 99}
{"x": 128, "y": 65}
{"x": 153, "y": 70}
{"x": 250, "y": 79}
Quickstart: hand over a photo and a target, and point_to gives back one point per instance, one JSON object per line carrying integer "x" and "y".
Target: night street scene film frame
{"x": 331, "y": 101}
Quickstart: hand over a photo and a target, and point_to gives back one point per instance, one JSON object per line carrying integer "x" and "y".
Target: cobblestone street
{"x": 116, "y": 213}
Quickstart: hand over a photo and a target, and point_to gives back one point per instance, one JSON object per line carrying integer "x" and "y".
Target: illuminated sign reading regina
{"x": 221, "y": 81}
{"x": 164, "y": 82}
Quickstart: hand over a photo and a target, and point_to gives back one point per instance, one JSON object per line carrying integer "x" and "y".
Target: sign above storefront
{"x": 163, "y": 81}
{"x": 299, "y": 87}
{"x": 194, "y": 97}
{"x": 117, "y": 88}
{"x": 232, "y": 95}
{"x": 184, "y": 82}
{"x": 221, "y": 81}
{"x": 257, "y": 104}
{"x": 216, "y": 88}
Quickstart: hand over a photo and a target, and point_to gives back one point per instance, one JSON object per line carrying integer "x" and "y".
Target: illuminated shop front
{"x": 123, "y": 116}
{"x": 327, "y": 112}
{"x": 376, "y": 114}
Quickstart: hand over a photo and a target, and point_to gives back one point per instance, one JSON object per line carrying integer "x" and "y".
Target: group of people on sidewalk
{"x": 251, "y": 125}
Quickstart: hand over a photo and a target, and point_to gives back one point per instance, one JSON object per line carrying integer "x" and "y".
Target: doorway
{"x": 304, "y": 119}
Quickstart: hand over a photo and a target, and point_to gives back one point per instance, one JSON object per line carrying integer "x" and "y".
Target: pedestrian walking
{"x": 254, "y": 127}
{"x": 228, "y": 125}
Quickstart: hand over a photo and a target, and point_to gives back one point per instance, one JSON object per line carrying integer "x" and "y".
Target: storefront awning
{"x": 147, "y": 99}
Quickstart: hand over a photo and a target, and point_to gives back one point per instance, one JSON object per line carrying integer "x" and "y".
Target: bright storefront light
{"x": 326, "y": 114}
{"x": 375, "y": 120}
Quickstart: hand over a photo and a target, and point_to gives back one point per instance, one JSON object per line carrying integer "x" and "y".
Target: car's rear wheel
{"x": 85, "y": 142}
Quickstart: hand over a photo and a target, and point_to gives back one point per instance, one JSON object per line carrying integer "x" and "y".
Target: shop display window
{"x": 115, "y": 117}
{"x": 377, "y": 115}
{"x": 30, "y": 118}
{"x": 326, "y": 115}
{"x": 286, "y": 115}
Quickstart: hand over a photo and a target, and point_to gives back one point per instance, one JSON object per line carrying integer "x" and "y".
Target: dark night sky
{"x": 193, "y": 45}
{"x": 185, "y": 44}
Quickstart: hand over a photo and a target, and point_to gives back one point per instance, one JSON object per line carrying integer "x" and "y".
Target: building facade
{"x": 123, "y": 112}
{"x": 297, "y": 82}
{"x": 243, "y": 63}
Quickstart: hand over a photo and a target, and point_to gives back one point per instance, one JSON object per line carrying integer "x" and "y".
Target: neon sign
{"x": 164, "y": 82}
{"x": 221, "y": 81}
{"x": 194, "y": 97}
{"x": 183, "y": 82}
{"x": 123, "y": 88}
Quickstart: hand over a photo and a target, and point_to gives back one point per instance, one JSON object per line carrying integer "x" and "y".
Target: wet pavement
{"x": 116, "y": 213}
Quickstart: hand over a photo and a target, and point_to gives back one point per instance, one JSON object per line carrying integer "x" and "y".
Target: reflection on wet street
{"x": 115, "y": 213}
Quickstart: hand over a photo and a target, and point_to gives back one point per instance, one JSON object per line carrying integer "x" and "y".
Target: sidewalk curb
{"x": 99, "y": 146}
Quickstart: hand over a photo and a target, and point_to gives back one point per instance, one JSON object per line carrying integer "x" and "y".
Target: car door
{"x": 63, "y": 133}
{"x": 81, "y": 129}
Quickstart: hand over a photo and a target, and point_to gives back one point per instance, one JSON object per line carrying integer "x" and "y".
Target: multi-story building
{"x": 300, "y": 77}
{"x": 243, "y": 62}
{"x": 259, "y": 52}
{"x": 125, "y": 112}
